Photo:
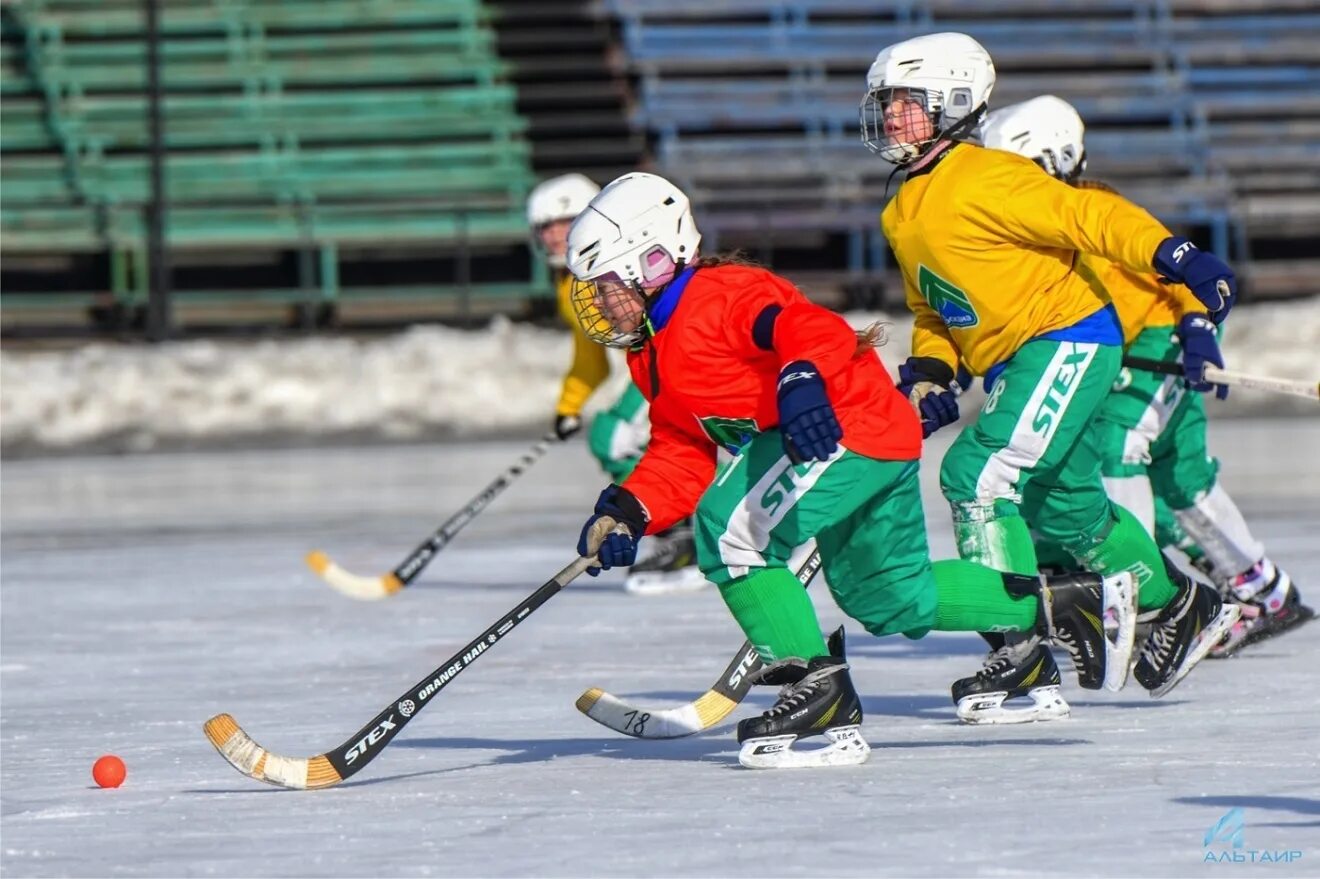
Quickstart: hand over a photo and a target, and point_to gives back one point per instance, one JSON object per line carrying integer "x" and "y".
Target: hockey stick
{"x": 365, "y": 745}
{"x": 700, "y": 714}
{"x": 373, "y": 588}
{"x": 1294, "y": 387}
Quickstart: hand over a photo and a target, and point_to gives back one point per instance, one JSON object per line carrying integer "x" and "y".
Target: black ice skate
{"x": 1023, "y": 667}
{"x": 671, "y": 566}
{"x": 1184, "y": 630}
{"x": 815, "y": 698}
{"x": 1092, "y": 617}
{"x": 1271, "y": 606}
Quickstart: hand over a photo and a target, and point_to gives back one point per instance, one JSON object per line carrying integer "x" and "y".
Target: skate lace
{"x": 1160, "y": 643}
{"x": 999, "y": 661}
{"x": 793, "y": 696}
{"x": 1065, "y": 639}
{"x": 1163, "y": 636}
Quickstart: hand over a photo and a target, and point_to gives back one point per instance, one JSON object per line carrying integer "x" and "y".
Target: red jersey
{"x": 710, "y": 383}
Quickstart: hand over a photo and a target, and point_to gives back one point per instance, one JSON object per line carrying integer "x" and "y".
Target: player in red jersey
{"x": 822, "y": 446}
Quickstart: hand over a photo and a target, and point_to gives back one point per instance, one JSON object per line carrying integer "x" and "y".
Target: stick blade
{"x": 254, "y": 761}
{"x": 350, "y": 584}
{"x": 655, "y": 723}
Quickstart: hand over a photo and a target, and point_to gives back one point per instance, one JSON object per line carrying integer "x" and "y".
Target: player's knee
{"x": 1079, "y": 534}
{"x": 957, "y": 479}
{"x": 710, "y": 530}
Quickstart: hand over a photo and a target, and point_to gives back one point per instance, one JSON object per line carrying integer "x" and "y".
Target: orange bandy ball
{"x": 109, "y": 771}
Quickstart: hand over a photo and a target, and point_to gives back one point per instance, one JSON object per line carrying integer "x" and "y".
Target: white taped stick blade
{"x": 608, "y": 710}
{"x": 350, "y": 584}
{"x": 1047, "y": 703}
{"x": 845, "y": 747}
{"x": 1120, "y": 607}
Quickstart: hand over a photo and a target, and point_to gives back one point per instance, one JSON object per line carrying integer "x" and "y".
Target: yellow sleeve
{"x": 1034, "y": 208}
{"x": 591, "y": 364}
{"x": 930, "y": 335}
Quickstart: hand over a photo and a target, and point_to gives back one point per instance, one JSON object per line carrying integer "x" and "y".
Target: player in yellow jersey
{"x": 1151, "y": 431}
{"x": 988, "y": 247}
{"x": 619, "y": 434}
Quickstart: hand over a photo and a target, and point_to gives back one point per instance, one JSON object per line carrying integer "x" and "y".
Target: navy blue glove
{"x": 1206, "y": 275}
{"x": 806, "y": 419}
{"x": 615, "y": 507}
{"x": 1196, "y": 334}
{"x": 927, "y": 382}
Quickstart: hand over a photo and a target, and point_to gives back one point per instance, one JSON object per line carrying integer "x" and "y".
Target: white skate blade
{"x": 689, "y": 579}
{"x": 1211, "y": 635}
{"x": 986, "y": 708}
{"x": 846, "y": 748}
{"x": 1120, "y": 604}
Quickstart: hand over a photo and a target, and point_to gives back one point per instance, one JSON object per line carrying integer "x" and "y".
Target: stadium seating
{"x": 302, "y": 126}
{"x": 1207, "y": 112}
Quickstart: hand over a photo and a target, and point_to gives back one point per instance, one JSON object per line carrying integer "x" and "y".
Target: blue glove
{"x": 615, "y": 507}
{"x": 927, "y": 382}
{"x": 806, "y": 419}
{"x": 1206, "y": 275}
{"x": 1196, "y": 334}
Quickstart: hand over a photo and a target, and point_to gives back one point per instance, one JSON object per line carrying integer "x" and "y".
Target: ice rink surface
{"x": 141, "y": 595}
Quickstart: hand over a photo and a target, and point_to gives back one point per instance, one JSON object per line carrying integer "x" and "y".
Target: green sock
{"x": 1051, "y": 555}
{"x": 995, "y": 535}
{"x": 776, "y": 613}
{"x": 972, "y": 598}
{"x": 1127, "y": 547}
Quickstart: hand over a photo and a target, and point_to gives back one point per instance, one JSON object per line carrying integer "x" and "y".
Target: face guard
{"x": 1063, "y": 165}
{"x": 611, "y": 309}
{"x": 900, "y": 124}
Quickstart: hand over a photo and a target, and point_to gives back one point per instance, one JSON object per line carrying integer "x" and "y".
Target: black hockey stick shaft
{"x": 366, "y": 744}
{"x": 1146, "y": 364}
{"x": 420, "y": 557}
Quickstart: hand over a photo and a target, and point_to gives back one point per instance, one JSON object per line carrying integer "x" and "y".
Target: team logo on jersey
{"x": 950, "y": 303}
{"x": 731, "y": 433}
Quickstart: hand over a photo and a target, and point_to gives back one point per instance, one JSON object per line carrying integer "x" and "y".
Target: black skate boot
{"x": 1074, "y": 611}
{"x": 671, "y": 566}
{"x": 1183, "y": 631}
{"x": 1021, "y": 667}
{"x": 815, "y": 698}
{"x": 1270, "y": 604}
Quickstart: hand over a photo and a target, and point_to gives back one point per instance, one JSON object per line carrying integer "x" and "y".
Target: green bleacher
{"x": 307, "y": 126}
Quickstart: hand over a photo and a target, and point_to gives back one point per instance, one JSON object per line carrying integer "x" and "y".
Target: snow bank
{"x": 426, "y": 382}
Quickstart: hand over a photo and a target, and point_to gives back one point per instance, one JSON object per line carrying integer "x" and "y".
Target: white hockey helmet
{"x": 1046, "y": 130}
{"x": 950, "y": 75}
{"x": 559, "y": 198}
{"x": 633, "y": 238}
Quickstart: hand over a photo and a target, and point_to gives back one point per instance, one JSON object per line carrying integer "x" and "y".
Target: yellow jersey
{"x": 988, "y": 244}
{"x": 590, "y": 366}
{"x": 1141, "y": 299}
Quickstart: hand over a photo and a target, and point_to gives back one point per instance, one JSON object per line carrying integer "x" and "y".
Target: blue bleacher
{"x": 1201, "y": 111}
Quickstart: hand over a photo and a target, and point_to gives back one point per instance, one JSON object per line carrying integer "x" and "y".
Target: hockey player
{"x": 732, "y": 356}
{"x": 1151, "y": 432}
{"x": 619, "y": 434}
{"x": 987, "y": 246}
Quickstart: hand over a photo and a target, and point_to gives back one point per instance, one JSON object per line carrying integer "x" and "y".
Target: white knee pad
{"x": 1134, "y": 494}
{"x": 1217, "y": 526}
